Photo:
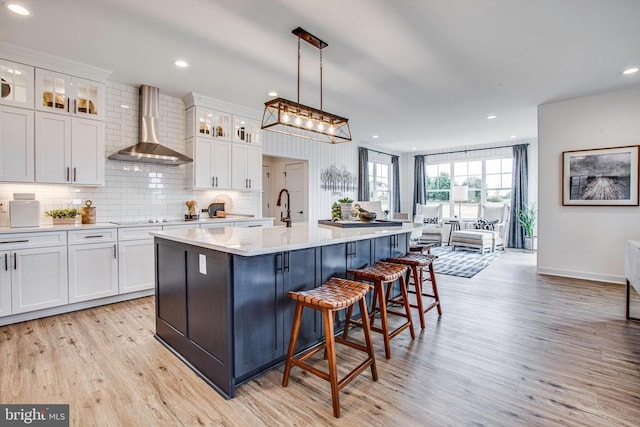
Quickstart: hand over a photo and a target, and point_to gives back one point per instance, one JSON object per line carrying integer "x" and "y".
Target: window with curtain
{"x": 488, "y": 180}
{"x": 380, "y": 183}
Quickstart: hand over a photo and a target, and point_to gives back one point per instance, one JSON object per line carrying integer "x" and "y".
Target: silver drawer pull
{"x": 14, "y": 241}
{"x": 94, "y": 236}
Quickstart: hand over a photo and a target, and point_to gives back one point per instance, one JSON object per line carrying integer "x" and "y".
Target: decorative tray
{"x": 354, "y": 224}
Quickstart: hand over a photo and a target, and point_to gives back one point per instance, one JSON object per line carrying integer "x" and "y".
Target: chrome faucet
{"x": 285, "y": 219}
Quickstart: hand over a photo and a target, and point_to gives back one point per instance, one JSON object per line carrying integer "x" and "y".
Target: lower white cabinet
{"x": 93, "y": 264}
{"x": 136, "y": 265}
{"x": 33, "y": 279}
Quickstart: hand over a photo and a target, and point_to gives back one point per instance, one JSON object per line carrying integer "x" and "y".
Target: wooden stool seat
{"x": 382, "y": 273}
{"x": 417, "y": 262}
{"x": 421, "y": 247}
{"x": 334, "y": 295}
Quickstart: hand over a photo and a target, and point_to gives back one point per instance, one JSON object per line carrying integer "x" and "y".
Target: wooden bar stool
{"x": 379, "y": 274}
{"x": 421, "y": 247}
{"x": 334, "y": 295}
{"x": 416, "y": 263}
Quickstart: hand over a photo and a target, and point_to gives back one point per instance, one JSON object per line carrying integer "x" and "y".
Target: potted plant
{"x": 527, "y": 219}
{"x": 345, "y": 207}
{"x": 63, "y": 216}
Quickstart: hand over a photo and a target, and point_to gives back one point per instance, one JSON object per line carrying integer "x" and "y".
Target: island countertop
{"x": 265, "y": 240}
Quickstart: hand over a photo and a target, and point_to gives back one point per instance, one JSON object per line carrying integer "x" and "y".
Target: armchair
{"x": 497, "y": 215}
{"x": 432, "y": 231}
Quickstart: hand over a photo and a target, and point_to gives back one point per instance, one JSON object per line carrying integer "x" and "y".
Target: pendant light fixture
{"x": 292, "y": 118}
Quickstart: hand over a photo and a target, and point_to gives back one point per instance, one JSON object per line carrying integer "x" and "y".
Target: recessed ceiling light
{"x": 20, "y": 10}
{"x": 631, "y": 70}
{"x": 180, "y": 63}
{"x": 413, "y": 148}
{"x": 126, "y": 107}
{"x": 514, "y": 136}
{"x": 375, "y": 136}
{"x": 273, "y": 93}
{"x": 491, "y": 117}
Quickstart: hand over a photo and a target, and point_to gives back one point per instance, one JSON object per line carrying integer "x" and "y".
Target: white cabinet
{"x": 136, "y": 259}
{"x": 16, "y": 144}
{"x": 246, "y": 167}
{"x": 246, "y": 130}
{"x": 211, "y": 166}
{"x": 16, "y": 84}
{"x": 207, "y": 123}
{"x": 33, "y": 271}
{"x": 69, "y": 150}
{"x": 93, "y": 264}
{"x": 65, "y": 94}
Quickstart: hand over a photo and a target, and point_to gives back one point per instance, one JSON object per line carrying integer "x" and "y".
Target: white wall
{"x": 584, "y": 241}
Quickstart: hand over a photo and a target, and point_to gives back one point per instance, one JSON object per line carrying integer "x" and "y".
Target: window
{"x": 488, "y": 180}
{"x": 380, "y": 183}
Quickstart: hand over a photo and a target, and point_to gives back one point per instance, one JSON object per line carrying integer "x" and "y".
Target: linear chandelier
{"x": 292, "y": 118}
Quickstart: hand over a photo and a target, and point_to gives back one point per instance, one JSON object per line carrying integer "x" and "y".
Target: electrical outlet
{"x": 3, "y": 206}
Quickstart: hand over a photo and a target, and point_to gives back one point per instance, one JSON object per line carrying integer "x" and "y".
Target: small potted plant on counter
{"x": 527, "y": 219}
{"x": 63, "y": 216}
{"x": 345, "y": 207}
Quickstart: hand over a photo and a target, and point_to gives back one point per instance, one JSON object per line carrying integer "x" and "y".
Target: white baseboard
{"x": 608, "y": 278}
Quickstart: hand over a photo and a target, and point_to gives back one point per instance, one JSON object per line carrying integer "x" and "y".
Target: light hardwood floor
{"x": 512, "y": 348}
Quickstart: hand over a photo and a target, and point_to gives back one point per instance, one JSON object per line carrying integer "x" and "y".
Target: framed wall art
{"x": 600, "y": 177}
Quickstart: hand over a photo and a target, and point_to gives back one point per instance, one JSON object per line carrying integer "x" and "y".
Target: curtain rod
{"x": 470, "y": 149}
{"x": 379, "y": 152}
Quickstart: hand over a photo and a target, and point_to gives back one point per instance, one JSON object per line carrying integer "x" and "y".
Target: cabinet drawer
{"x": 179, "y": 226}
{"x": 136, "y": 233}
{"x": 79, "y": 237}
{"x": 32, "y": 240}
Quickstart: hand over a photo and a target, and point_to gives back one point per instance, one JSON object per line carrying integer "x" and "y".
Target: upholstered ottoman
{"x": 475, "y": 239}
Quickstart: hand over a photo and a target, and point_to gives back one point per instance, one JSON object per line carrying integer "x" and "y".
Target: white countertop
{"x": 265, "y": 240}
{"x": 142, "y": 223}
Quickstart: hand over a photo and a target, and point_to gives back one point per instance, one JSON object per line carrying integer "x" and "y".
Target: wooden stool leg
{"x": 368, "y": 341}
{"x": 417, "y": 283}
{"x": 407, "y": 308}
{"x": 295, "y": 329}
{"x": 331, "y": 358}
{"x": 347, "y": 321}
{"x": 434, "y": 285}
{"x": 383, "y": 317}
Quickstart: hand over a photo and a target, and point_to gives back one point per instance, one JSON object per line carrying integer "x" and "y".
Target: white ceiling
{"x": 419, "y": 73}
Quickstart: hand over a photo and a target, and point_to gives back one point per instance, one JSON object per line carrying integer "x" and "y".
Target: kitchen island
{"x": 221, "y": 294}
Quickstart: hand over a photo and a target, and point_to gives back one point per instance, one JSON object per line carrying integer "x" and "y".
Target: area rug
{"x": 462, "y": 263}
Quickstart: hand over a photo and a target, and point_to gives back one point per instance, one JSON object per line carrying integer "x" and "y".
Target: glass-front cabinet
{"x": 246, "y": 130}
{"x": 209, "y": 123}
{"x": 16, "y": 84}
{"x": 61, "y": 93}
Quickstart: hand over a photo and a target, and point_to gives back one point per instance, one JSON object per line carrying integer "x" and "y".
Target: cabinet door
{"x": 222, "y": 126}
{"x": 254, "y": 168}
{"x": 171, "y": 288}
{"x": 202, "y": 158}
{"x": 53, "y": 148}
{"x": 16, "y": 144}
{"x": 221, "y": 164}
{"x": 135, "y": 265}
{"x": 17, "y": 84}
{"x": 88, "y": 98}
{"x": 239, "y": 178}
{"x": 93, "y": 271}
{"x": 300, "y": 275}
{"x": 53, "y": 91}
{"x": 87, "y": 152}
{"x": 38, "y": 278}
{"x": 257, "y": 311}
{"x": 5, "y": 284}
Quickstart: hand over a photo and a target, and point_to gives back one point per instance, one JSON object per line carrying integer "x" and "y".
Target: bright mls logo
{"x": 36, "y": 415}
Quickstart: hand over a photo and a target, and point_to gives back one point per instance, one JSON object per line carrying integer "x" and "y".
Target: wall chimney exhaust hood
{"x": 149, "y": 149}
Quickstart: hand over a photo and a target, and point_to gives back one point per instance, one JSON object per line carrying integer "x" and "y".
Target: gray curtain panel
{"x": 396, "y": 183}
{"x": 519, "y": 195}
{"x": 363, "y": 174}
{"x": 420, "y": 189}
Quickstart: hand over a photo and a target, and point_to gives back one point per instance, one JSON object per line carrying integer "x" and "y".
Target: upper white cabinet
{"x": 211, "y": 166}
{"x": 246, "y": 167}
{"x": 16, "y": 83}
{"x": 69, "y": 150}
{"x": 16, "y": 144}
{"x": 246, "y": 130}
{"x": 65, "y": 94}
{"x": 208, "y": 123}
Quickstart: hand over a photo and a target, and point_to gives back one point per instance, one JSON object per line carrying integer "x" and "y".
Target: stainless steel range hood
{"x": 149, "y": 149}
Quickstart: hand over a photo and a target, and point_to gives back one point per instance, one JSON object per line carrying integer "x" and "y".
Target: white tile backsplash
{"x": 134, "y": 191}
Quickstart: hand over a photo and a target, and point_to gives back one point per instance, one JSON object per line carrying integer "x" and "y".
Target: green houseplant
{"x": 527, "y": 219}
{"x": 345, "y": 207}
{"x": 63, "y": 216}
